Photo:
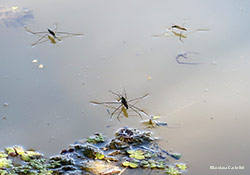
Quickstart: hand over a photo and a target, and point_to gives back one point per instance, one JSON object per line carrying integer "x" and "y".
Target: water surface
{"x": 49, "y": 108}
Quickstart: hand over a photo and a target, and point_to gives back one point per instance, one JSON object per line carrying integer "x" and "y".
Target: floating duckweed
{"x": 5, "y": 163}
{"x": 97, "y": 138}
{"x": 181, "y": 166}
{"x": 137, "y": 154}
{"x": 97, "y": 157}
{"x": 130, "y": 164}
{"x": 172, "y": 171}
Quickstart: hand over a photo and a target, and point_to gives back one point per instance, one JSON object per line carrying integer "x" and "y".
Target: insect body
{"x": 124, "y": 102}
{"x": 178, "y": 27}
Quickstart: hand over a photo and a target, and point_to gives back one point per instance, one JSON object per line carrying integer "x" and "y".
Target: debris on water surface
{"x": 34, "y": 61}
{"x": 4, "y": 118}
{"x": 93, "y": 155}
{"x": 153, "y": 122}
{"x": 214, "y": 63}
{"x": 40, "y": 66}
{"x": 148, "y": 77}
{"x": 6, "y": 104}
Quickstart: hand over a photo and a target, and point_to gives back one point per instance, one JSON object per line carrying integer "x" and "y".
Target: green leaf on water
{"x": 3, "y": 155}
{"x": 160, "y": 164}
{"x": 133, "y": 164}
{"x": 99, "y": 156}
{"x": 137, "y": 154}
{"x": 5, "y": 163}
{"x": 19, "y": 150}
{"x": 126, "y": 163}
{"x": 10, "y": 151}
{"x": 131, "y": 151}
{"x": 181, "y": 166}
{"x": 33, "y": 154}
{"x": 97, "y": 138}
{"x": 25, "y": 157}
{"x": 130, "y": 164}
{"x": 172, "y": 171}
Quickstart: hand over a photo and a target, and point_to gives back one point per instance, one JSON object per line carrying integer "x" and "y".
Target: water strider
{"x": 179, "y": 31}
{"x": 51, "y": 35}
{"x": 124, "y": 104}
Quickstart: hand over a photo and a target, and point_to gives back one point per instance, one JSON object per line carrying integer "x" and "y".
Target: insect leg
{"x": 115, "y": 110}
{"x": 131, "y": 107}
{"x": 39, "y": 39}
{"x": 138, "y": 109}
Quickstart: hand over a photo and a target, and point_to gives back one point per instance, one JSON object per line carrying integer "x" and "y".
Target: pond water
{"x": 206, "y": 105}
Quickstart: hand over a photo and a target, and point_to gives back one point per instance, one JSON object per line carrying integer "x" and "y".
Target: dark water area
{"x": 206, "y": 104}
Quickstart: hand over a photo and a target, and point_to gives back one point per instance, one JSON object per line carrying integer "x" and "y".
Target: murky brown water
{"x": 49, "y": 108}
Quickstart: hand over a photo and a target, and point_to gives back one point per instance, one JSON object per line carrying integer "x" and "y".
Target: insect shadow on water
{"x": 178, "y": 31}
{"x": 52, "y": 35}
{"x": 124, "y": 104}
{"x": 179, "y": 58}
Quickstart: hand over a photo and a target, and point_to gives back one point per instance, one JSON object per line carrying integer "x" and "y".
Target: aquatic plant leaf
{"x": 33, "y": 153}
{"x": 137, "y": 154}
{"x": 4, "y": 172}
{"x": 130, "y": 164}
{"x": 153, "y": 165}
{"x": 126, "y": 163}
{"x": 160, "y": 164}
{"x": 97, "y": 138}
{"x": 181, "y": 166}
{"x": 25, "y": 157}
{"x": 133, "y": 164}
{"x": 10, "y": 151}
{"x": 3, "y": 155}
{"x": 99, "y": 156}
{"x": 150, "y": 123}
{"x": 131, "y": 151}
{"x": 148, "y": 155}
{"x": 5, "y": 163}
{"x": 176, "y": 155}
{"x": 19, "y": 150}
{"x": 172, "y": 171}
{"x": 144, "y": 162}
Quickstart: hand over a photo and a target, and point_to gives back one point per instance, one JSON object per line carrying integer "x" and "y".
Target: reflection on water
{"x": 49, "y": 108}
{"x": 15, "y": 16}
